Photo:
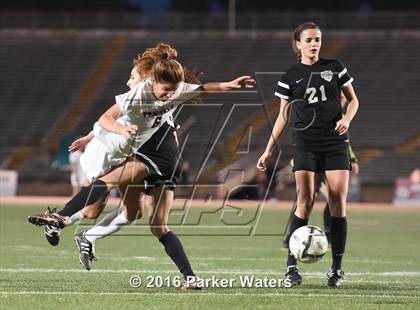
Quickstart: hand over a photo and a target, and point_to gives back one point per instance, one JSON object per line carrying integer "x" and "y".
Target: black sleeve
{"x": 283, "y": 88}
{"x": 344, "y": 77}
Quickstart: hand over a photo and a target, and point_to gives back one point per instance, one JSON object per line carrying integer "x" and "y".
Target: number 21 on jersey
{"x": 312, "y": 92}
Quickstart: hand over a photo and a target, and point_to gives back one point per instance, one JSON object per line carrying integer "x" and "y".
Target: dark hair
{"x": 297, "y": 33}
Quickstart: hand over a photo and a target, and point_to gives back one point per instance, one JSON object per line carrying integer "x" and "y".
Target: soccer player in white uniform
{"x": 163, "y": 92}
{"x": 102, "y": 149}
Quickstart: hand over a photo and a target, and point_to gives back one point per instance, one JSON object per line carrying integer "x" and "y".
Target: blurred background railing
{"x": 208, "y": 21}
{"x": 54, "y": 84}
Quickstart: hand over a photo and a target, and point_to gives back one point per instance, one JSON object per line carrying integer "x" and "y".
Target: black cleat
{"x": 293, "y": 275}
{"x": 335, "y": 278}
{"x": 52, "y": 234}
{"x": 86, "y": 251}
{"x": 193, "y": 283}
{"x": 49, "y": 217}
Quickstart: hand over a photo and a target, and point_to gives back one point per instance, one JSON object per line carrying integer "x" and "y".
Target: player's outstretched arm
{"x": 240, "y": 82}
{"x": 278, "y": 129}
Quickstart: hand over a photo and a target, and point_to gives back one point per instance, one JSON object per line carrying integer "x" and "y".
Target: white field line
{"x": 215, "y": 259}
{"x": 181, "y": 293}
{"x": 215, "y": 271}
{"x": 71, "y": 254}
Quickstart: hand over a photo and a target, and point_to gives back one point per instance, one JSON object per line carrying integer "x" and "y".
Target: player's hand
{"x": 342, "y": 126}
{"x": 242, "y": 81}
{"x": 262, "y": 161}
{"x": 79, "y": 144}
{"x": 129, "y": 131}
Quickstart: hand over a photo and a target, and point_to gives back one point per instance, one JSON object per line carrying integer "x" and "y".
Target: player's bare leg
{"x": 337, "y": 181}
{"x": 158, "y": 221}
{"x": 131, "y": 171}
{"x": 134, "y": 201}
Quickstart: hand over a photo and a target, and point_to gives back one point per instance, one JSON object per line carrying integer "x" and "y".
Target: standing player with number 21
{"x": 311, "y": 88}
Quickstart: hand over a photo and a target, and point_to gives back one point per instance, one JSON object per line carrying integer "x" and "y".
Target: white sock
{"x": 75, "y": 217}
{"x": 110, "y": 224}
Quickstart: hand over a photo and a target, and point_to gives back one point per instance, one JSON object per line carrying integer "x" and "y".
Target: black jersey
{"x": 314, "y": 92}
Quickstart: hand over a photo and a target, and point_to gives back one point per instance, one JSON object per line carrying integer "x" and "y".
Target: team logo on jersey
{"x": 327, "y": 75}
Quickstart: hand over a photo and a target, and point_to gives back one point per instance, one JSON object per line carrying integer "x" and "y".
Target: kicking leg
{"x": 52, "y": 233}
{"x": 129, "y": 172}
{"x": 134, "y": 207}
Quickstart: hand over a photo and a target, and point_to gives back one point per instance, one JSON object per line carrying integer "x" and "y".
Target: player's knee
{"x": 337, "y": 204}
{"x": 337, "y": 199}
{"x": 306, "y": 202}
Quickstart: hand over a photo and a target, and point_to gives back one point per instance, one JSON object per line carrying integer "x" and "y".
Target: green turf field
{"x": 382, "y": 265}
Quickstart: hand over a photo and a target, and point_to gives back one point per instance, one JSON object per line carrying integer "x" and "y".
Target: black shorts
{"x": 161, "y": 155}
{"x": 155, "y": 181}
{"x": 321, "y": 161}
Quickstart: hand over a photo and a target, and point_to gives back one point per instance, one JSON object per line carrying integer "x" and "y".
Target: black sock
{"x": 295, "y": 224}
{"x": 338, "y": 240}
{"x": 327, "y": 220}
{"x": 88, "y": 195}
{"x": 175, "y": 251}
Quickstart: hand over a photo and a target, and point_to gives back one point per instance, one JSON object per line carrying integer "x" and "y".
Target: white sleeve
{"x": 191, "y": 88}
{"x": 127, "y": 100}
{"x": 186, "y": 93}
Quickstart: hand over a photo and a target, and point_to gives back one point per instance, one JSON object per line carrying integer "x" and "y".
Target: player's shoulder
{"x": 141, "y": 90}
{"x": 291, "y": 72}
{"x": 145, "y": 84}
{"x": 293, "y": 68}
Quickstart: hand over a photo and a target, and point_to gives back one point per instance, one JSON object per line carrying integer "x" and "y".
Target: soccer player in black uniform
{"x": 321, "y": 188}
{"x": 312, "y": 89}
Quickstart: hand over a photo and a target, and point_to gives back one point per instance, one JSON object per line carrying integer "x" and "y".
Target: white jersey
{"x": 139, "y": 107}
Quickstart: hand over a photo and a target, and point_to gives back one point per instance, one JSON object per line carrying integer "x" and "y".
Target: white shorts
{"x": 94, "y": 160}
{"x": 108, "y": 150}
{"x": 76, "y": 180}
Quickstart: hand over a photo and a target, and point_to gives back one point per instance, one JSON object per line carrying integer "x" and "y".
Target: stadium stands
{"x": 41, "y": 73}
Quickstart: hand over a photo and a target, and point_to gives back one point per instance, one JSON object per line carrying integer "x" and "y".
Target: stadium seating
{"x": 41, "y": 73}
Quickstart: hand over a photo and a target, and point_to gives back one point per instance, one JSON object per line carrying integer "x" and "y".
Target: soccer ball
{"x": 308, "y": 244}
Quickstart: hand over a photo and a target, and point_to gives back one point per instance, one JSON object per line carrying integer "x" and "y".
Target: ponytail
{"x": 160, "y": 63}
